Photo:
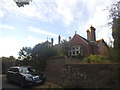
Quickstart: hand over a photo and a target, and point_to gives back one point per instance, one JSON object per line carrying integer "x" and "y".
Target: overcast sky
{"x": 42, "y": 19}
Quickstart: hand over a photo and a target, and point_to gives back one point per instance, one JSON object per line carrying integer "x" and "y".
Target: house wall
{"x": 76, "y": 40}
{"x": 102, "y": 48}
{"x": 89, "y": 46}
{"x": 94, "y": 48}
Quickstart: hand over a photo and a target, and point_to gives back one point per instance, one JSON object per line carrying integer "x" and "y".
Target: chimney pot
{"x": 69, "y": 38}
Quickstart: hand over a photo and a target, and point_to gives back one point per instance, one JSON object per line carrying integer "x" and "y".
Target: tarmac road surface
{"x": 6, "y": 85}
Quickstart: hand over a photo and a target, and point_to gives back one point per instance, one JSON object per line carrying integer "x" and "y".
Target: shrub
{"x": 95, "y": 59}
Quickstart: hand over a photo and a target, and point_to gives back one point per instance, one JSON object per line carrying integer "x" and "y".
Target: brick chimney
{"x": 52, "y": 41}
{"x": 88, "y": 34}
{"x": 93, "y": 36}
{"x": 59, "y": 39}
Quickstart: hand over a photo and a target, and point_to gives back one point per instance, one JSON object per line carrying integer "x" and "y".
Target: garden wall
{"x": 82, "y": 75}
{"x": 91, "y": 75}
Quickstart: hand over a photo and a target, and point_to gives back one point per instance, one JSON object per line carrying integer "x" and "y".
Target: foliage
{"x": 95, "y": 59}
{"x": 40, "y": 66}
{"x": 116, "y": 36}
{"x": 65, "y": 48}
{"x": 112, "y": 55}
{"x": 114, "y": 10}
{"x": 115, "y": 16}
{"x": 7, "y": 62}
{"x": 42, "y": 51}
{"x": 10, "y": 58}
{"x": 25, "y": 53}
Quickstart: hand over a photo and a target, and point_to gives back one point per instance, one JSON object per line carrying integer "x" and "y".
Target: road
{"x": 7, "y": 85}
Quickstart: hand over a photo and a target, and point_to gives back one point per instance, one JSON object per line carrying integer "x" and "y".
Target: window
{"x": 77, "y": 47}
{"x": 81, "y": 49}
{"x": 14, "y": 69}
{"x": 73, "y": 48}
{"x": 26, "y": 70}
{"x": 77, "y": 52}
{"x": 73, "y": 52}
{"x": 69, "y": 53}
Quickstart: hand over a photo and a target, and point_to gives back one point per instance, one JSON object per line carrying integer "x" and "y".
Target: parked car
{"x": 24, "y": 76}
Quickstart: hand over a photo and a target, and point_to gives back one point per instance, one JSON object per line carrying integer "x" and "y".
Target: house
{"x": 81, "y": 46}
{"x": 86, "y": 47}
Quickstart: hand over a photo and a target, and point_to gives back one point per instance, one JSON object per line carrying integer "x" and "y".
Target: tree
{"x": 10, "y": 58}
{"x": 116, "y": 36}
{"x": 25, "y": 53}
{"x": 115, "y": 16}
{"x": 115, "y": 10}
{"x": 43, "y": 51}
{"x": 65, "y": 48}
{"x": 40, "y": 53}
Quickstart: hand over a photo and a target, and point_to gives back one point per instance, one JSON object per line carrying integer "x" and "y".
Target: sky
{"x": 45, "y": 19}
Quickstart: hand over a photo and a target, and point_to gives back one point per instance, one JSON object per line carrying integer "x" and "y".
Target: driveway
{"x": 5, "y": 85}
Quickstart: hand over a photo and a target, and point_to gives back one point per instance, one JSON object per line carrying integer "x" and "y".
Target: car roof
{"x": 19, "y": 66}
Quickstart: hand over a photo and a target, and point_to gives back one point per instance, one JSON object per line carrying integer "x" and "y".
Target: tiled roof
{"x": 47, "y": 42}
{"x": 76, "y": 38}
{"x": 98, "y": 41}
{"x": 84, "y": 39}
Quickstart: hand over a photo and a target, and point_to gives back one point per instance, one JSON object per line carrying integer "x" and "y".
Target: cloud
{"x": 9, "y": 46}
{"x": 44, "y": 10}
{"x": 37, "y": 30}
{"x": 3, "y": 26}
{"x": 33, "y": 41}
{"x": 97, "y": 17}
{"x": 1, "y": 14}
{"x": 100, "y": 22}
{"x": 65, "y": 12}
{"x": 50, "y": 10}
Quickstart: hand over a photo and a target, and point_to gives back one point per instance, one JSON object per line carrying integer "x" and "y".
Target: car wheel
{"x": 22, "y": 85}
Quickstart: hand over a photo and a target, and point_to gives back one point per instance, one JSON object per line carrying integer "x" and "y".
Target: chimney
{"x": 88, "y": 34}
{"x": 59, "y": 39}
{"x": 92, "y": 33}
{"x": 69, "y": 38}
{"x": 52, "y": 41}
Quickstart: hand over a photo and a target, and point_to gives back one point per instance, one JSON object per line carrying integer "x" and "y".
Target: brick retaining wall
{"x": 93, "y": 75}
{"x": 88, "y": 75}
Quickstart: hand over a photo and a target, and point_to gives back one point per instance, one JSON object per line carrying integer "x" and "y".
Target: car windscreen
{"x": 26, "y": 70}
